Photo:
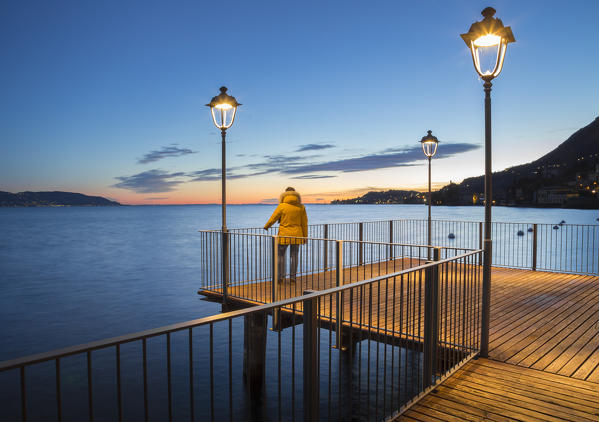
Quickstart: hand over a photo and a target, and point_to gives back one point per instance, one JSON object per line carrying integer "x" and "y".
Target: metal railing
{"x": 568, "y": 248}
{"x": 252, "y": 274}
{"x": 361, "y": 351}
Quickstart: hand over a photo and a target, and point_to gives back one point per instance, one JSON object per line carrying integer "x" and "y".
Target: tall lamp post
{"x": 429, "y": 146}
{"x": 223, "y": 108}
{"x": 487, "y": 41}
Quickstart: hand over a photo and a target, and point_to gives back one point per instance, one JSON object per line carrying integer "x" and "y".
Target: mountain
{"x": 52, "y": 199}
{"x": 568, "y": 176}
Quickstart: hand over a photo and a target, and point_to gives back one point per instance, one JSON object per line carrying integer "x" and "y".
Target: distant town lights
{"x": 487, "y": 41}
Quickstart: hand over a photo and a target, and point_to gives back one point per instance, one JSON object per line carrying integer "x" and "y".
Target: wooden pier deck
{"x": 489, "y": 390}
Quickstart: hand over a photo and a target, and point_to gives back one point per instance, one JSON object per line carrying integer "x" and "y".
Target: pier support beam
{"x": 254, "y": 352}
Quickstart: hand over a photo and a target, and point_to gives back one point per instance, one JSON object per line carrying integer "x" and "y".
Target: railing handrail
{"x": 423, "y": 219}
{"x": 372, "y": 242}
{"x": 128, "y": 338}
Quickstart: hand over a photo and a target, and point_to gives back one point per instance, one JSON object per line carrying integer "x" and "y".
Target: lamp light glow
{"x": 223, "y": 108}
{"x": 487, "y": 41}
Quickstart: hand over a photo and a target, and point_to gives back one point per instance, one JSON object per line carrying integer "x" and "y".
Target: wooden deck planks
{"x": 546, "y": 321}
{"x": 487, "y": 390}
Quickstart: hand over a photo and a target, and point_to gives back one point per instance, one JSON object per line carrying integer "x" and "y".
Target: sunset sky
{"x": 108, "y": 97}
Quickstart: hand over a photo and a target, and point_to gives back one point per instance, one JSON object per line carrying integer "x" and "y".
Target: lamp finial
{"x": 488, "y": 12}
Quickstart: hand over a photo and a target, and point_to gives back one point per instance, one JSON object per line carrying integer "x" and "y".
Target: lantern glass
{"x": 487, "y": 41}
{"x": 429, "y": 148}
{"x": 223, "y": 115}
{"x": 488, "y": 52}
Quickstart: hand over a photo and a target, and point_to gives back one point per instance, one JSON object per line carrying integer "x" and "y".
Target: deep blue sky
{"x": 108, "y": 97}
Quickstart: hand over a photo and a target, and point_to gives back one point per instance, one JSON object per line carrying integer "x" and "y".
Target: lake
{"x": 76, "y": 274}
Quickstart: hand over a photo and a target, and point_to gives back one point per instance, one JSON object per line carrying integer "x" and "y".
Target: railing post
{"x": 225, "y": 255}
{"x": 339, "y": 296}
{"x": 431, "y": 319}
{"x": 391, "y": 239}
{"x": 534, "y": 247}
{"x": 326, "y": 247}
{"x": 480, "y": 235}
{"x": 275, "y": 280}
{"x": 361, "y": 245}
{"x": 311, "y": 364}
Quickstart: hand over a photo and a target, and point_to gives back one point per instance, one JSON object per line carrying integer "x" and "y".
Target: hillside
{"x": 52, "y": 199}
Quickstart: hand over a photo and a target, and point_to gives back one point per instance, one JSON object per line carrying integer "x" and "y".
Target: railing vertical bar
{"x": 145, "y": 377}
{"x": 211, "y": 346}
{"x": 294, "y": 309}
{"x": 311, "y": 366}
{"x": 23, "y": 395}
{"x": 119, "y": 390}
{"x": 279, "y": 374}
{"x": 90, "y": 401}
{"x": 191, "y": 395}
{"x": 58, "y": 392}
{"x": 168, "y": 376}
{"x": 231, "y": 369}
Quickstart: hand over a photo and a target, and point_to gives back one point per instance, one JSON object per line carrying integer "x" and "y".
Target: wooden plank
{"x": 508, "y": 379}
{"x": 531, "y": 398}
{"x": 490, "y": 390}
{"x": 562, "y": 381}
{"x": 555, "y": 323}
{"x": 468, "y": 413}
{"x": 494, "y": 404}
{"x": 594, "y": 376}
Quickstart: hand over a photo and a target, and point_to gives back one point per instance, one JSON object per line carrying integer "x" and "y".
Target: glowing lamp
{"x": 487, "y": 41}
{"x": 429, "y": 144}
{"x": 223, "y": 108}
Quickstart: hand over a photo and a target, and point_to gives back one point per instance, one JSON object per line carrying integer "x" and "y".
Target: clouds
{"x": 313, "y": 176}
{"x": 314, "y": 147}
{"x": 298, "y": 166}
{"x": 165, "y": 152}
{"x": 303, "y": 166}
{"x": 151, "y": 181}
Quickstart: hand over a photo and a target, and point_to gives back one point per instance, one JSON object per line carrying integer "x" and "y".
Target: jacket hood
{"x": 290, "y": 197}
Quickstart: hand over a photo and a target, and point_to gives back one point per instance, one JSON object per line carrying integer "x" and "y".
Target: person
{"x": 293, "y": 229}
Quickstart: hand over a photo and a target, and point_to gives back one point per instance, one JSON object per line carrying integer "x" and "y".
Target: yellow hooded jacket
{"x": 292, "y": 218}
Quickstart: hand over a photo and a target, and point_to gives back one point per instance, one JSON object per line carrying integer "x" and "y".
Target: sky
{"x": 108, "y": 98}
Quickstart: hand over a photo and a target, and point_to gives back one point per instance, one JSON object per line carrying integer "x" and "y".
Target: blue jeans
{"x": 293, "y": 252}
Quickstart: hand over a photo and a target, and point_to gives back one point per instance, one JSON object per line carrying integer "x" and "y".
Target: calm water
{"x": 73, "y": 275}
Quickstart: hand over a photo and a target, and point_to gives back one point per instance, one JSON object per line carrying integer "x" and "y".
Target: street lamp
{"x": 487, "y": 41}
{"x": 223, "y": 108}
{"x": 429, "y": 146}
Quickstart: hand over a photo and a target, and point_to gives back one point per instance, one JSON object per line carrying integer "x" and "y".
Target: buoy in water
{"x": 530, "y": 230}
{"x": 451, "y": 236}
{"x": 555, "y": 227}
{"x": 520, "y": 233}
